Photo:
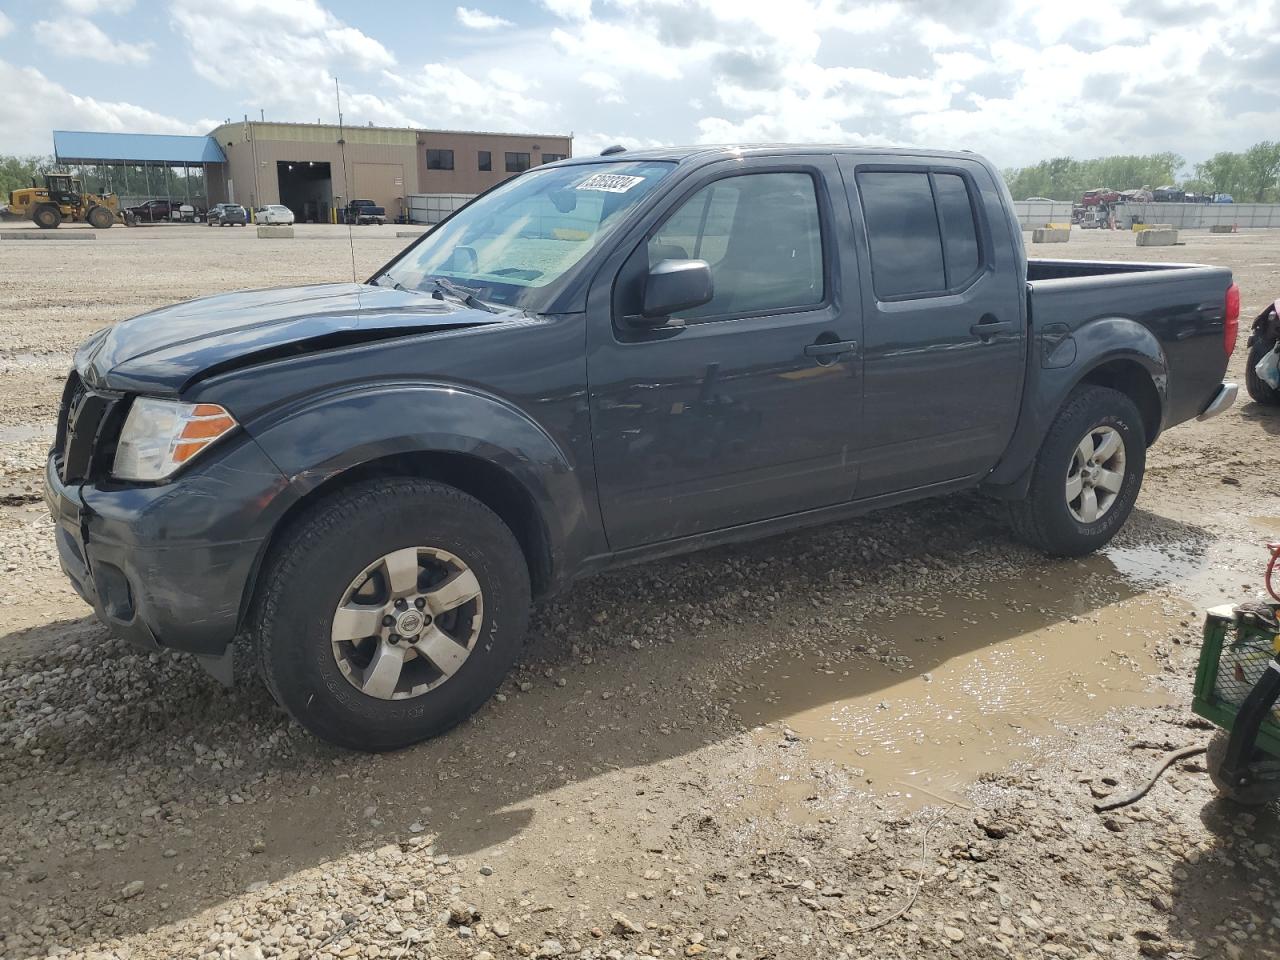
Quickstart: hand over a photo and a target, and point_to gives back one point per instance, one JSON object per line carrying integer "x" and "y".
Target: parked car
{"x": 599, "y": 362}
{"x": 364, "y": 211}
{"x": 228, "y": 215}
{"x": 273, "y": 213}
{"x": 162, "y": 211}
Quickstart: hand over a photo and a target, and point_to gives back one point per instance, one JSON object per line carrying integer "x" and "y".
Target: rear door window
{"x": 921, "y": 232}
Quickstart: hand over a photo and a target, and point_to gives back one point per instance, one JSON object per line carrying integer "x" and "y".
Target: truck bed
{"x": 1181, "y": 305}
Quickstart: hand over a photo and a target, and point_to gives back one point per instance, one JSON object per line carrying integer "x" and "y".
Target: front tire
{"x": 340, "y": 646}
{"x": 100, "y": 218}
{"x": 1259, "y": 390}
{"x": 1087, "y": 475}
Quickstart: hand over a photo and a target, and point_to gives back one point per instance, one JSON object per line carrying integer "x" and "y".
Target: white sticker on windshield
{"x": 609, "y": 182}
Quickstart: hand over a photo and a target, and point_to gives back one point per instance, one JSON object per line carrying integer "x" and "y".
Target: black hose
{"x": 1182, "y": 753}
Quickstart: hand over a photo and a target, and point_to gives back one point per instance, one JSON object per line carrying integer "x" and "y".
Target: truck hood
{"x": 163, "y": 351}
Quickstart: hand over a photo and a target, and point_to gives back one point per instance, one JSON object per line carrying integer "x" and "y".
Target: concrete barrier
{"x": 1222, "y": 228}
{"x": 1050, "y": 235}
{"x": 275, "y": 231}
{"x": 410, "y": 233}
{"x": 48, "y": 235}
{"x": 1158, "y": 237}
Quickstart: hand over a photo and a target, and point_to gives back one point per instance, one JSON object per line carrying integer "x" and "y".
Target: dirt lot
{"x": 879, "y": 739}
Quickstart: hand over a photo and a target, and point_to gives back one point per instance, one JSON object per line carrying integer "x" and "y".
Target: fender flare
{"x": 327, "y": 435}
{"x": 1090, "y": 347}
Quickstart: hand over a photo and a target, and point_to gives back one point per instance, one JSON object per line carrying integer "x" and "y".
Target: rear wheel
{"x": 1259, "y": 389}
{"x": 391, "y": 612}
{"x": 1087, "y": 475}
{"x": 100, "y": 218}
{"x": 46, "y": 216}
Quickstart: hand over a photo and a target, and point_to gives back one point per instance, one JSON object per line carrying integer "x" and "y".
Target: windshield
{"x": 512, "y": 243}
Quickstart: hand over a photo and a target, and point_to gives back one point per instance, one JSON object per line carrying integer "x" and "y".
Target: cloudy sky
{"x": 1016, "y": 79}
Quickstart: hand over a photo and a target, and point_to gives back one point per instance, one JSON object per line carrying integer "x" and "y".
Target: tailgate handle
{"x": 989, "y": 328}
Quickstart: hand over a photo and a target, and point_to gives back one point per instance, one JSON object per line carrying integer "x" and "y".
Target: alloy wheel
{"x": 1096, "y": 474}
{"x": 407, "y": 623}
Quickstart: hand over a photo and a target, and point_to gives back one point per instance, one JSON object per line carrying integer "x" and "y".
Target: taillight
{"x": 1231, "y": 322}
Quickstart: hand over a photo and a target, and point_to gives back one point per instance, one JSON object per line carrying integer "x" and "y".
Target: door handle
{"x": 827, "y": 350}
{"x": 990, "y": 328}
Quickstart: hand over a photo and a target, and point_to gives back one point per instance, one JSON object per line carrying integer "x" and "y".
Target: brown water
{"x": 964, "y": 682}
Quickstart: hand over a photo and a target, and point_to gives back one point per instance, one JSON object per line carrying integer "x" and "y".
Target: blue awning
{"x": 79, "y": 146}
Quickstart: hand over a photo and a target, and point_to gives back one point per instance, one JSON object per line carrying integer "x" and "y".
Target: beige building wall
{"x": 383, "y": 164}
{"x": 466, "y": 175}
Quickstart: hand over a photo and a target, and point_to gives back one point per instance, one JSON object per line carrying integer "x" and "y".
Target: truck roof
{"x": 710, "y": 152}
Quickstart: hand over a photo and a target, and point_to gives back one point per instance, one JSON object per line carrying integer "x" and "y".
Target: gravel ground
{"x": 880, "y": 739}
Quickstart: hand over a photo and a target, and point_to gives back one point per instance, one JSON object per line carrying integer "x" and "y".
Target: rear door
{"x": 942, "y": 330}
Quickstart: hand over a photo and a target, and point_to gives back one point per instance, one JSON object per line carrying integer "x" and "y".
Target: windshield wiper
{"x": 460, "y": 292}
{"x": 394, "y": 282}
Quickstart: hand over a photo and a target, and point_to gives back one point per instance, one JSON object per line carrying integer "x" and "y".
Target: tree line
{"x": 17, "y": 172}
{"x": 1252, "y": 175}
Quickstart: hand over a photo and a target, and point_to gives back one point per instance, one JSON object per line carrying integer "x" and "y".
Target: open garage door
{"x": 383, "y": 183}
{"x": 306, "y": 188}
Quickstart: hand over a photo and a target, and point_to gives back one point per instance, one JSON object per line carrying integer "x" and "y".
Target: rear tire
{"x": 1258, "y": 388}
{"x": 1050, "y": 518}
{"x": 100, "y": 218}
{"x": 46, "y": 216}
{"x": 1253, "y": 795}
{"x": 321, "y": 680}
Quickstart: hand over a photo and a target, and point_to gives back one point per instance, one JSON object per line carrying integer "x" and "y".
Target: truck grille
{"x": 83, "y": 417}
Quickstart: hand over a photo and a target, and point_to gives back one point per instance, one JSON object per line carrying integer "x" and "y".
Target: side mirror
{"x": 672, "y": 286}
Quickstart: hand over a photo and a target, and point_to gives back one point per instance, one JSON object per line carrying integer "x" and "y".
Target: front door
{"x": 747, "y": 407}
{"x": 943, "y": 333}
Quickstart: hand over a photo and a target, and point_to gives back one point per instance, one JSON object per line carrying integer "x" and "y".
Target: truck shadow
{"x": 621, "y": 673}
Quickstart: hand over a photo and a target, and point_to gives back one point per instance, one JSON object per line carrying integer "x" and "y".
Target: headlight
{"x": 159, "y": 436}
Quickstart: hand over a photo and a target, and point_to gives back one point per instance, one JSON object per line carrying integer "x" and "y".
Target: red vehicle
{"x": 1096, "y": 198}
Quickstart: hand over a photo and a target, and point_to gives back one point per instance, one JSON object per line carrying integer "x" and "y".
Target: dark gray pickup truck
{"x": 602, "y": 361}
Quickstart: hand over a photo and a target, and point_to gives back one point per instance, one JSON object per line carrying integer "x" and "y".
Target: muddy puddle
{"x": 957, "y": 686}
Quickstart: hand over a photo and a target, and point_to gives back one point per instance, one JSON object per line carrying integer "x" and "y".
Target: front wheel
{"x": 391, "y": 612}
{"x": 1087, "y": 475}
{"x": 1259, "y": 390}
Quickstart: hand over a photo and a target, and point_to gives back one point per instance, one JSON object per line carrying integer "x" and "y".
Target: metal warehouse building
{"x": 302, "y": 165}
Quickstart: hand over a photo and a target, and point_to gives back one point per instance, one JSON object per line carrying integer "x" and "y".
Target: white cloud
{"x": 90, "y": 42}
{"x": 288, "y": 59}
{"x": 25, "y": 121}
{"x": 445, "y": 95}
{"x": 569, "y": 9}
{"x": 591, "y": 143}
{"x": 605, "y": 84}
{"x": 87, "y": 7}
{"x": 5, "y": 24}
{"x": 474, "y": 19}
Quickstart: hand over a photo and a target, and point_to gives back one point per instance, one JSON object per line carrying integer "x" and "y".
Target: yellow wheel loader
{"x": 62, "y": 198}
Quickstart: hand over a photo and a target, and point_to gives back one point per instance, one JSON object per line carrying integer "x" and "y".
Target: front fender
{"x": 334, "y": 432}
{"x": 1065, "y": 362}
